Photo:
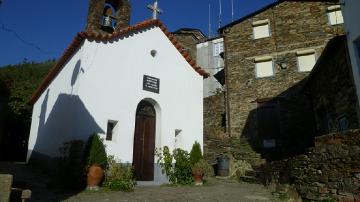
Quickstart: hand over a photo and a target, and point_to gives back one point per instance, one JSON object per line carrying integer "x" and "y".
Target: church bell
{"x": 108, "y": 20}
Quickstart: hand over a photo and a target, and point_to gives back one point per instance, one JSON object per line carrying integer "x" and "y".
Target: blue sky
{"x": 42, "y": 29}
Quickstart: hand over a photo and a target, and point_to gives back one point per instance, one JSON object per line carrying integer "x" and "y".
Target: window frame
{"x": 260, "y": 23}
{"x": 262, "y": 60}
{"x": 305, "y": 53}
{"x": 333, "y": 10}
{"x": 218, "y": 43}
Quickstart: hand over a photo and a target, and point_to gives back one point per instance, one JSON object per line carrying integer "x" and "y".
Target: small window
{"x": 110, "y": 129}
{"x": 261, "y": 29}
{"x": 264, "y": 67}
{"x": 223, "y": 120}
{"x": 306, "y": 60}
{"x": 218, "y": 48}
{"x": 334, "y": 15}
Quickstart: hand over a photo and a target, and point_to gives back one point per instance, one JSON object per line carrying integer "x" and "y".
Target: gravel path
{"x": 215, "y": 190}
{"x": 219, "y": 190}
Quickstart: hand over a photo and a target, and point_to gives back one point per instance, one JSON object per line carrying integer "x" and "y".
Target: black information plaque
{"x": 151, "y": 84}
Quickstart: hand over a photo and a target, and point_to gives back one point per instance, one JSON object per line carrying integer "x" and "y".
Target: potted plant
{"x": 96, "y": 161}
{"x": 198, "y": 171}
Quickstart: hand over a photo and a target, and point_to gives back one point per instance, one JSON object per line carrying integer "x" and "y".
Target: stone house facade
{"x": 268, "y": 54}
{"x": 350, "y": 9}
{"x": 332, "y": 89}
{"x": 188, "y": 38}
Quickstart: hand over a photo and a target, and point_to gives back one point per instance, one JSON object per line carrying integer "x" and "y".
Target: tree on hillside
{"x": 21, "y": 81}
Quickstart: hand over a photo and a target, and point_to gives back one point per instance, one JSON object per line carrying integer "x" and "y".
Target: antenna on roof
{"x": 232, "y": 10}
{"x": 220, "y": 13}
{"x": 209, "y": 20}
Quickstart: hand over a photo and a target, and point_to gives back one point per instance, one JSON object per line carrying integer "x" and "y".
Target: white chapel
{"x": 135, "y": 86}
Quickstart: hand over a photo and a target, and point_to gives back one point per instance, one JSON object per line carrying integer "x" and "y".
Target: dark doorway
{"x": 268, "y": 120}
{"x": 144, "y": 142}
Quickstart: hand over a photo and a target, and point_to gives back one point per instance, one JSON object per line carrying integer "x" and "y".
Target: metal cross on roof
{"x": 156, "y": 10}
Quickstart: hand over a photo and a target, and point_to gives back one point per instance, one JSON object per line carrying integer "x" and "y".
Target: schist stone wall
{"x": 214, "y": 116}
{"x": 330, "y": 170}
{"x": 332, "y": 89}
{"x": 188, "y": 39}
{"x": 96, "y": 8}
{"x": 295, "y": 26}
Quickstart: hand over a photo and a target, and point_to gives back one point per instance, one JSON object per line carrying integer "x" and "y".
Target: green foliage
{"x": 331, "y": 199}
{"x": 165, "y": 159}
{"x": 22, "y": 80}
{"x": 119, "y": 177}
{"x": 241, "y": 167}
{"x": 181, "y": 172}
{"x": 95, "y": 153}
{"x": 70, "y": 171}
{"x": 195, "y": 154}
{"x": 17, "y": 84}
{"x": 204, "y": 168}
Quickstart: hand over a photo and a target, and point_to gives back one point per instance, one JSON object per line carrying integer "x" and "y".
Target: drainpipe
{"x": 226, "y": 93}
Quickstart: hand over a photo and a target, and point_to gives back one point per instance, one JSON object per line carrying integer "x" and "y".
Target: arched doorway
{"x": 144, "y": 141}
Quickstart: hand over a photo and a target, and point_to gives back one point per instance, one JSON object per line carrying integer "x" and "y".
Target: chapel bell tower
{"x": 108, "y": 15}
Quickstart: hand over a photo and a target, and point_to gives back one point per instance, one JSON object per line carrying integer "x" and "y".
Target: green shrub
{"x": 195, "y": 154}
{"x": 180, "y": 173}
{"x": 182, "y": 169}
{"x": 204, "y": 167}
{"x": 95, "y": 153}
{"x": 119, "y": 177}
{"x": 165, "y": 159}
{"x": 70, "y": 170}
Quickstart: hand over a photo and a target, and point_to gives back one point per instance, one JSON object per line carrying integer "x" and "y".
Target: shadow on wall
{"x": 67, "y": 120}
{"x": 281, "y": 126}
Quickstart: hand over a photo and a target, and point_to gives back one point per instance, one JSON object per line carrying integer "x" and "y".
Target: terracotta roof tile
{"x": 81, "y": 36}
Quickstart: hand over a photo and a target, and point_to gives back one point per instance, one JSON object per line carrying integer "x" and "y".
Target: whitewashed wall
{"x": 107, "y": 85}
{"x": 350, "y": 9}
{"x": 206, "y": 58}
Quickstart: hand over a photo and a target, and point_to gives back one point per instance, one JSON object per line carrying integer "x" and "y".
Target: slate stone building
{"x": 189, "y": 38}
{"x": 268, "y": 54}
{"x": 332, "y": 90}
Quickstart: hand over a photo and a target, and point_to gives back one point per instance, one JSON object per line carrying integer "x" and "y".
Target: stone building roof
{"x": 220, "y": 30}
{"x": 197, "y": 33}
{"x": 82, "y": 36}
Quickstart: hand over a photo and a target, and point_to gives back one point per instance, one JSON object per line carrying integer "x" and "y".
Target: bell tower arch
{"x": 108, "y": 15}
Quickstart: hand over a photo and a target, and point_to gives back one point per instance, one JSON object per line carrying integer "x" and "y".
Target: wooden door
{"x": 144, "y": 142}
{"x": 268, "y": 119}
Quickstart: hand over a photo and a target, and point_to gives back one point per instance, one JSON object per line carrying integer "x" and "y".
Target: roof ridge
{"x": 81, "y": 36}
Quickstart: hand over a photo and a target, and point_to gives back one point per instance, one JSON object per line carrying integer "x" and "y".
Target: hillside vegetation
{"x": 21, "y": 81}
{"x": 17, "y": 84}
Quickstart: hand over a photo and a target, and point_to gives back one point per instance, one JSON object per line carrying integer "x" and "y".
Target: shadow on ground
{"x": 29, "y": 177}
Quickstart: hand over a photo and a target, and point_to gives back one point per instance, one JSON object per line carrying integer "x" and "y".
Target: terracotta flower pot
{"x": 197, "y": 178}
{"x": 94, "y": 177}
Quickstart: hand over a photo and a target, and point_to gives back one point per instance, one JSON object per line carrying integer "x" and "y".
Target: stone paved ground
{"x": 226, "y": 191}
{"x": 216, "y": 190}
